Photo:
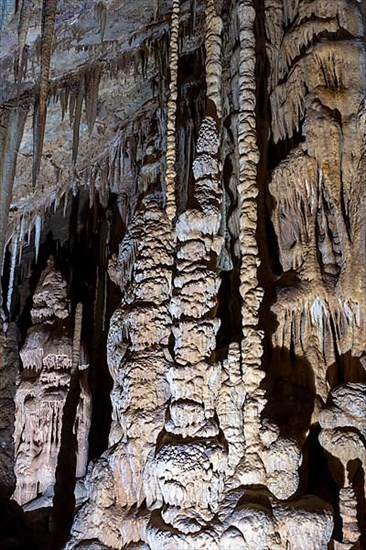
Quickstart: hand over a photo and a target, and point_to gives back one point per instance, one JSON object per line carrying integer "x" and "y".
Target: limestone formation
{"x": 197, "y": 170}
{"x": 41, "y": 393}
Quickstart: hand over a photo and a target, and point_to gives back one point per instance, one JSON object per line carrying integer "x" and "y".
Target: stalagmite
{"x": 137, "y": 353}
{"x": 48, "y": 357}
{"x": 8, "y": 367}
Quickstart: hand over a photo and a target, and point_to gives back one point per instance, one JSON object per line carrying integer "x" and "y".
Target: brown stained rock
{"x": 9, "y": 361}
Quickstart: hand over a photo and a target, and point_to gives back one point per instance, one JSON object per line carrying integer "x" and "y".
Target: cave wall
{"x": 182, "y": 228}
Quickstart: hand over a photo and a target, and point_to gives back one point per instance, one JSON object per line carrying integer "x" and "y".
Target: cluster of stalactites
{"x": 318, "y": 217}
{"x": 317, "y": 87}
{"x": 302, "y": 61}
{"x": 173, "y": 402}
{"x": 78, "y": 92}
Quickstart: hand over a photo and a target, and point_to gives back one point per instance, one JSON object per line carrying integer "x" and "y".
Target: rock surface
{"x": 41, "y": 392}
{"x": 197, "y": 170}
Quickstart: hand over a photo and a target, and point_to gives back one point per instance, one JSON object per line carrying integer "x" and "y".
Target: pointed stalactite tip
{"x": 40, "y": 110}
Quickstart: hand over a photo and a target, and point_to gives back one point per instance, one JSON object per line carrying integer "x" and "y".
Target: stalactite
{"x": 171, "y": 112}
{"x": 213, "y": 52}
{"x": 64, "y": 99}
{"x": 40, "y": 108}
{"x": 194, "y": 13}
{"x": 92, "y": 79}
{"x": 76, "y": 343}
{"x": 11, "y": 132}
{"x": 72, "y": 101}
{"x": 21, "y": 237}
{"x": 156, "y": 9}
{"x": 77, "y": 119}
{"x": 24, "y": 19}
{"x": 14, "y": 255}
{"x": 101, "y": 16}
{"x": 37, "y": 234}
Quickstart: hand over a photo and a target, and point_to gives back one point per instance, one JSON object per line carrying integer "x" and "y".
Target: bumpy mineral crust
{"x": 182, "y": 237}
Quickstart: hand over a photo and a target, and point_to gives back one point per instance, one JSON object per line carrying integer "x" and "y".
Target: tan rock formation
{"x": 317, "y": 90}
{"x": 41, "y": 393}
{"x": 210, "y": 156}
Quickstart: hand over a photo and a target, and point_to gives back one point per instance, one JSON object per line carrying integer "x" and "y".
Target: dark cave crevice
{"x": 317, "y": 479}
{"x": 290, "y": 390}
{"x": 347, "y": 368}
{"x": 190, "y": 111}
